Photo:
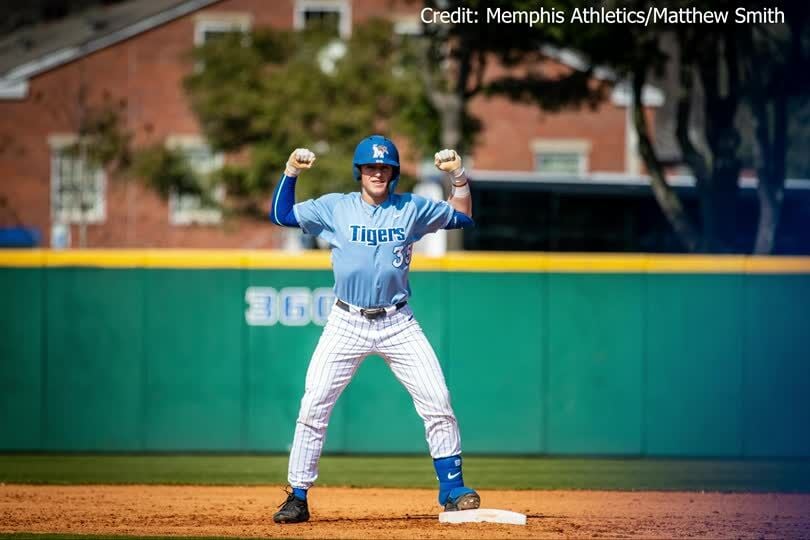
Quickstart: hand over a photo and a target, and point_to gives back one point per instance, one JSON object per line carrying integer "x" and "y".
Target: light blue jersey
{"x": 372, "y": 245}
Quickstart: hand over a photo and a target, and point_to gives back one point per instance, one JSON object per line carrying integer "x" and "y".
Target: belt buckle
{"x": 373, "y": 313}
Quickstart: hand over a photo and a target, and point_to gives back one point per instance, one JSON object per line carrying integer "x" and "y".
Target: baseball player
{"x": 371, "y": 234}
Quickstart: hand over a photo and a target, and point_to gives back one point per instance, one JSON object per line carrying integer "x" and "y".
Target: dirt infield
{"x": 397, "y": 513}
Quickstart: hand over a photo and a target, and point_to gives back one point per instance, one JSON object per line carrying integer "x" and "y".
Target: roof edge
{"x": 609, "y": 178}
{"x": 621, "y": 96}
{"x": 13, "y": 89}
{"x": 19, "y": 75}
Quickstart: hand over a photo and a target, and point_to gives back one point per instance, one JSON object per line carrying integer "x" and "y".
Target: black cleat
{"x": 292, "y": 510}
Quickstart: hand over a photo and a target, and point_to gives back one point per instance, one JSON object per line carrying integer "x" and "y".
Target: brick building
{"x": 136, "y": 54}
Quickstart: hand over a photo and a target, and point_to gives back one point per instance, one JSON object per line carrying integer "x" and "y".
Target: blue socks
{"x": 300, "y": 493}
{"x": 448, "y": 470}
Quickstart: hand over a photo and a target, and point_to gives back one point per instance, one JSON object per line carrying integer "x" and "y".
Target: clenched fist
{"x": 300, "y": 159}
{"x": 450, "y": 162}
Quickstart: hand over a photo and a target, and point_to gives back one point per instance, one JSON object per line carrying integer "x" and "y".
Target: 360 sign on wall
{"x": 290, "y": 306}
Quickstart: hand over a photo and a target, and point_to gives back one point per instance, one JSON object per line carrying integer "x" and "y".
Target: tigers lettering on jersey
{"x": 367, "y": 235}
{"x": 364, "y": 240}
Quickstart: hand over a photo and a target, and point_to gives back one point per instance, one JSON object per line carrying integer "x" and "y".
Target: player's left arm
{"x": 281, "y": 204}
{"x": 460, "y": 198}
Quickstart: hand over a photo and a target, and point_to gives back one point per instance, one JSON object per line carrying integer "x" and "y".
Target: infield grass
{"x": 415, "y": 472}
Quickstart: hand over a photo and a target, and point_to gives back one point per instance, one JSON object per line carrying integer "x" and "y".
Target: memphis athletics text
{"x": 603, "y": 15}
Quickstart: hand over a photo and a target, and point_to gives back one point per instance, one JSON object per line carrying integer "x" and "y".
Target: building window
{"x": 406, "y": 25}
{"x": 558, "y": 162}
{"x": 330, "y": 15}
{"x": 210, "y": 26}
{"x": 566, "y": 157}
{"x": 190, "y": 208}
{"x": 77, "y": 187}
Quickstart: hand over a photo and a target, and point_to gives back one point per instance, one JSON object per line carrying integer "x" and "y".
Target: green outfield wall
{"x": 544, "y": 354}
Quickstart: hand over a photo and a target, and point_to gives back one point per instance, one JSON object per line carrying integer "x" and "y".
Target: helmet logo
{"x": 379, "y": 151}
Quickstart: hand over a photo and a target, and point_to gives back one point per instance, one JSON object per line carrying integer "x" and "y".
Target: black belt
{"x": 370, "y": 313}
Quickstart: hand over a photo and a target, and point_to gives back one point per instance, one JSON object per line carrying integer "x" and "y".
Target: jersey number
{"x": 402, "y": 255}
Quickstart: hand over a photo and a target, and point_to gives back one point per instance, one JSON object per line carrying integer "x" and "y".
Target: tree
{"x": 455, "y": 58}
{"x": 736, "y": 65}
{"x": 727, "y": 66}
{"x": 776, "y": 72}
{"x": 632, "y": 52}
{"x": 271, "y": 91}
{"x": 101, "y": 143}
{"x": 454, "y": 61}
{"x": 714, "y": 57}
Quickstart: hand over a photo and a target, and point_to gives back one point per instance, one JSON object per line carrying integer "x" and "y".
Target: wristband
{"x": 291, "y": 171}
{"x": 460, "y": 192}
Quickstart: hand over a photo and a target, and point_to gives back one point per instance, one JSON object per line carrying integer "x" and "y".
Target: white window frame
{"x": 342, "y": 7}
{"x": 98, "y": 213}
{"x": 220, "y": 22}
{"x": 186, "y": 209}
{"x": 408, "y": 25}
{"x": 580, "y": 147}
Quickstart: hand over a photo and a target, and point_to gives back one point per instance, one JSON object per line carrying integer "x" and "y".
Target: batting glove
{"x": 450, "y": 162}
{"x": 300, "y": 159}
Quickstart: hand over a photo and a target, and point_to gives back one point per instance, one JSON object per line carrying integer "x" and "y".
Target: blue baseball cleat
{"x": 462, "y": 498}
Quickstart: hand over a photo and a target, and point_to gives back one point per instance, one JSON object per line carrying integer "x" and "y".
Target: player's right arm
{"x": 283, "y": 200}
{"x": 449, "y": 161}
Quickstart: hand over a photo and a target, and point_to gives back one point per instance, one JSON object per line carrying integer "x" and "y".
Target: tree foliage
{"x": 723, "y": 69}
{"x": 166, "y": 170}
{"x": 271, "y": 91}
{"x": 455, "y": 58}
{"x": 102, "y": 140}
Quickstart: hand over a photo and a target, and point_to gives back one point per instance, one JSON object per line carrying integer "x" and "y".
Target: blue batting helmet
{"x": 377, "y": 149}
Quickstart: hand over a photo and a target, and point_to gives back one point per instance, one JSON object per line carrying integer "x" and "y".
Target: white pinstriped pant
{"x": 346, "y": 340}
